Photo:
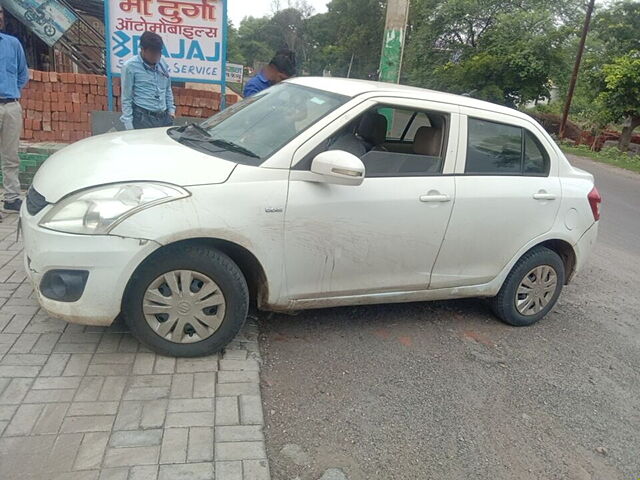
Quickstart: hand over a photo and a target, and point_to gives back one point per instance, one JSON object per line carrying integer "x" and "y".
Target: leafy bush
{"x": 609, "y": 155}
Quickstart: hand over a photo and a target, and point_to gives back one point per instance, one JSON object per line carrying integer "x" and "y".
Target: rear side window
{"x": 500, "y": 149}
{"x": 536, "y": 158}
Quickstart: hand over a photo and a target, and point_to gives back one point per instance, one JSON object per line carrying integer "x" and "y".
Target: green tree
{"x": 619, "y": 99}
{"x": 505, "y": 51}
{"x": 289, "y": 30}
{"x": 259, "y": 38}
{"x": 234, "y": 53}
{"x": 614, "y": 34}
{"x": 349, "y": 29}
{"x": 324, "y": 52}
{"x": 617, "y": 28}
{"x": 328, "y": 41}
{"x": 256, "y": 39}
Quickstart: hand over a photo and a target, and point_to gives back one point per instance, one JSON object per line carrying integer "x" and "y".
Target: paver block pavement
{"x": 240, "y": 451}
{"x": 194, "y": 471}
{"x": 80, "y": 402}
{"x": 227, "y": 411}
{"x": 174, "y": 445}
{"x": 229, "y": 470}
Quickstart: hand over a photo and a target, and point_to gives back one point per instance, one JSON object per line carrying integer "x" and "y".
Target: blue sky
{"x": 238, "y": 9}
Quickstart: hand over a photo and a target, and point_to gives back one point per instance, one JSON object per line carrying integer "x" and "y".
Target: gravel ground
{"x": 444, "y": 391}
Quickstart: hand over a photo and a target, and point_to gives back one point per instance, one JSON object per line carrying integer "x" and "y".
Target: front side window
{"x": 254, "y": 129}
{"x": 379, "y": 138}
{"x": 499, "y": 149}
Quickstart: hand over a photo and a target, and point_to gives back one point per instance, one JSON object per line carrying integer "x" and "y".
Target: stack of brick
{"x": 198, "y": 103}
{"x": 57, "y": 106}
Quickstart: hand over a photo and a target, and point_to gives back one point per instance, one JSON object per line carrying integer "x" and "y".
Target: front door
{"x": 383, "y": 235}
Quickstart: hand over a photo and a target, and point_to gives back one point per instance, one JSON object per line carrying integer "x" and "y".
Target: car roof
{"x": 353, "y": 88}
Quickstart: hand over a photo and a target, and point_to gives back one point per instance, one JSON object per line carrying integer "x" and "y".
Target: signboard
{"x": 235, "y": 73}
{"x": 194, "y": 34}
{"x": 46, "y": 18}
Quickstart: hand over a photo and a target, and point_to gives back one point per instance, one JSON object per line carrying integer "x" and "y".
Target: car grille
{"x": 35, "y": 202}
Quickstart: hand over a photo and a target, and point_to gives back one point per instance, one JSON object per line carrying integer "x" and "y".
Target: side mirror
{"x": 339, "y": 167}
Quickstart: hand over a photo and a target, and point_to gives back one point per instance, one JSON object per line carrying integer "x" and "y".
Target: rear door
{"x": 507, "y": 194}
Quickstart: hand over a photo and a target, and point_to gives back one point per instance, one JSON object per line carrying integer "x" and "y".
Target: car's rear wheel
{"x": 186, "y": 302}
{"x": 532, "y": 288}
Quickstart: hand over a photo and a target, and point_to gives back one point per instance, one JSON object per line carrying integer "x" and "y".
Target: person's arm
{"x": 127, "y": 97}
{"x": 171, "y": 107}
{"x": 250, "y": 89}
{"x": 23, "y": 71}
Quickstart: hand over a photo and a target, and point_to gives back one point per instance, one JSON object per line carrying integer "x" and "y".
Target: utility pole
{"x": 394, "y": 39}
{"x": 576, "y": 69}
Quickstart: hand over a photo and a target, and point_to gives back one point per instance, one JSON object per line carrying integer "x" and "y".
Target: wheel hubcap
{"x": 536, "y": 290}
{"x": 184, "y": 306}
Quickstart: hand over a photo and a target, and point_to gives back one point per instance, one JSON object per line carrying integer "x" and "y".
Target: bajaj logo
{"x": 124, "y": 45}
{"x": 120, "y": 45}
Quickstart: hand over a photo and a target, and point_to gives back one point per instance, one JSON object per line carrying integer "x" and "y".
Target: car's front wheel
{"x": 186, "y": 301}
{"x": 532, "y": 288}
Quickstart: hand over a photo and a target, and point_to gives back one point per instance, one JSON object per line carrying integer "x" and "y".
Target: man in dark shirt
{"x": 14, "y": 76}
{"x": 281, "y": 67}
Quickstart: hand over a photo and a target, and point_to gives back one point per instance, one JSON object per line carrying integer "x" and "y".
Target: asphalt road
{"x": 444, "y": 391}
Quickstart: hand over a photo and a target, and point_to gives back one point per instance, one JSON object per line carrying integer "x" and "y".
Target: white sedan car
{"x": 314, "y": 193}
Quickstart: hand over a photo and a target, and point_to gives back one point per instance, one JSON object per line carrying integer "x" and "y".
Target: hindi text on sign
{"x": 172, "y": 10}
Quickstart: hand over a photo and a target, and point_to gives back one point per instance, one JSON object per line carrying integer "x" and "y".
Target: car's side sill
{"x": 486, "y": 290}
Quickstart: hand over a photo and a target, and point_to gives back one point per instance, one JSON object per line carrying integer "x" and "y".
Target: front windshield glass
{"x": 251, "y": 131}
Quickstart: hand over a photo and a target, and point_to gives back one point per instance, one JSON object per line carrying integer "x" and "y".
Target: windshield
{"x": 251, "y": 131}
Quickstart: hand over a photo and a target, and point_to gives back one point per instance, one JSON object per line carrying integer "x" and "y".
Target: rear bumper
{"x": 584, "y": 247}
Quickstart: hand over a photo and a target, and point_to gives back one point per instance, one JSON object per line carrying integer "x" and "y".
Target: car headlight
{"x": 99, "y": 210}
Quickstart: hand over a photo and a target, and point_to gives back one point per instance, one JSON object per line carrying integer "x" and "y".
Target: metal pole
{"x": 225, "y": 45}
{"x": 394, "y": 39}
{"x": 350, "y": 65}
{"x": 107, "y": 39}
{"x": 576, "y": 69}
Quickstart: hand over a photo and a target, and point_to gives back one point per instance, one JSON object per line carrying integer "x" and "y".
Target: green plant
{"x": 608, "y": 155}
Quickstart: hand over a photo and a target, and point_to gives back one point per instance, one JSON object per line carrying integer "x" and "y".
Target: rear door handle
{"x": 435, "y": 198}
{"x": 544, "y": 196}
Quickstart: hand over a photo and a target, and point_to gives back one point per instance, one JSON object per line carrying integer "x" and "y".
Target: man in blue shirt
{"x": 147, "y": 98}
{"x": 13, "y": 78}
{"x": 281, "y": 67}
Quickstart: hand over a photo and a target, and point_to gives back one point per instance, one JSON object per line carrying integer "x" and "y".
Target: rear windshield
{"x": 251, "y": 131}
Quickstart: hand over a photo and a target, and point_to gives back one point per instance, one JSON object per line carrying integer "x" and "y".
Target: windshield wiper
{"x": 205, "y": 138}
{"x": 234, "y": 147}
{"x": 200, "y": 129}
{"x": 196, "y": 127}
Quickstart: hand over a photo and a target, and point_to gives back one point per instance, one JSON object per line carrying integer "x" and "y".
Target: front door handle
{"x": 435, "y": 198}
{"x": 544, "y": 196}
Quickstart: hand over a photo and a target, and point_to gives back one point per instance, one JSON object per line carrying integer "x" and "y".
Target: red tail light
{"x": 595, "y": 200}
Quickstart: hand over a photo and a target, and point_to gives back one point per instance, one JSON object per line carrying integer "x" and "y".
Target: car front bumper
{"x": 109, "y": 260}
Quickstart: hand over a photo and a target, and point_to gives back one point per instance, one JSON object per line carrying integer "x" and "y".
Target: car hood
{"x": 142, "y": 155}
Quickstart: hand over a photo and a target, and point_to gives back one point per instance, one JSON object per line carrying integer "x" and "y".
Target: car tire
{"x": 532, "y": 288}
{"x": 211, "y": 275}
